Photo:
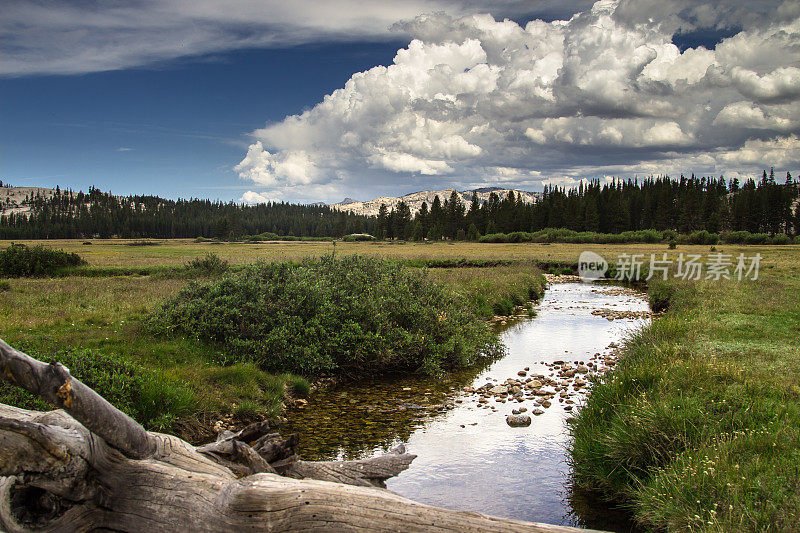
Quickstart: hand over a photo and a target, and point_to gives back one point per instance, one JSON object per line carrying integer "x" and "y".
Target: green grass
{"x": 494, "y": 290}
{"x": 96, "y": 311}
{"x": 698, "y": 428}
{"x": 79, "y": 320}
{"x": 175, "y": 253}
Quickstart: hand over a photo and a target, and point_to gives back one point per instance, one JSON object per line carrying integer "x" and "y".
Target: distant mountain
{"x": 414, "y": 200}
{"x": 19, "y": 199}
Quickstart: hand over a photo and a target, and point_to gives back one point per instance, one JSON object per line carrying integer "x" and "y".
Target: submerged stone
{"x": 516, "y": 421}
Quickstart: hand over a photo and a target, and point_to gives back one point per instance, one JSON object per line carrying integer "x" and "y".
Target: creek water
{"x": 468, "y": 457}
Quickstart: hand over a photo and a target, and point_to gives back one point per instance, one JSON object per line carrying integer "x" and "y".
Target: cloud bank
{"x": 79, "y": 36}
{"x": 474, "y": 100}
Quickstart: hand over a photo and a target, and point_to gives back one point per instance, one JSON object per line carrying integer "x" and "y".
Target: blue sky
{"x": 175, "y": 130}
{"x": 263, "y": 100}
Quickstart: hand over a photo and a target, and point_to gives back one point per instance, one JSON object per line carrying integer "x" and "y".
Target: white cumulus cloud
{"x": 252, "y": 198}
{"x": 603, "y": 92}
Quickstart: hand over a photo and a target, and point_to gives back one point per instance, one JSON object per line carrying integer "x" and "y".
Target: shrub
{"x": 734, "y": 237}
{"x": 19, "y": 260}
{"x": 701, "y": 237}
{"x": 745, "y": 237}
{"x": 209, "y": 265}
{"x": 268, "y": 236}
{"x": 143, "y": 243}
{"x": 781, "y": 238}
{"x": 493, "y": 238}
{"x": 548, "y": 235}
{"x": 5, "y": 286}
{"x": 757, "y": 238}
{"x": 358, "y": 237}
{"x": 350, "y": 316}
{"x": 673, "y": 244}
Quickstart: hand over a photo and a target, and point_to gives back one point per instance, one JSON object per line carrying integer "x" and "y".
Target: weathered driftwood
{"x": 87, "y": 466}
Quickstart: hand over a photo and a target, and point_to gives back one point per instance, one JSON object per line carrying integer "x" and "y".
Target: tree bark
{"x": 88, "y": 466}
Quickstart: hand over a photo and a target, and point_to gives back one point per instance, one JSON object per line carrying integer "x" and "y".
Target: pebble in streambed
{"x": 516, "y": 421}
{"x": 565, "y": 380}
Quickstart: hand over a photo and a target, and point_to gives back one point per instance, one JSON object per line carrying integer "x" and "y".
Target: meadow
{"x": 133, "y": 254}
{"x": 97, "y": 312}
{"x": 696, "y": 429}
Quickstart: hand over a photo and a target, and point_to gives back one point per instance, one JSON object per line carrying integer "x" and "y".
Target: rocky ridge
{"x": 415, "y": 200}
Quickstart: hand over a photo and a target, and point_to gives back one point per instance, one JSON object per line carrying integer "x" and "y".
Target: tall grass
{"x": 494, "y": 290}
{"x": 698, "y": 427}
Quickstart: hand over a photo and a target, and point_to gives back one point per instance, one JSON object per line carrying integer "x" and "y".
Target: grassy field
{"x": 177, "y": 384}
{"x": 180, "y": 385}
{"x": 698, "y": 428}
{"x": 168, "y": 253}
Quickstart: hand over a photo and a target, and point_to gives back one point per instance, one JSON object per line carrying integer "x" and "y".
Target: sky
{"x": 306, "y": 101}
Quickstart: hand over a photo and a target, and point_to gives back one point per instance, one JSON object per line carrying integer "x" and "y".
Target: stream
{"x": 468, "y": 457}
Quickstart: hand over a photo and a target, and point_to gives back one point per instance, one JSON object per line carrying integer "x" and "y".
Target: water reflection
{"x": 468, "y": 457}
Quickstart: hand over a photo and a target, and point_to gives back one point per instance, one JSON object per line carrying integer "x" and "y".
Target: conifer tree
{"x": 472, "y": 233}
{"x": 419, "y": 233}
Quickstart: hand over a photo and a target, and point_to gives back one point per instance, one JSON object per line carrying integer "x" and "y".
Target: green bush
{"x": 268, "y": 236}
{"x": 669, "y": 235}
{"x": 358, "y": 237}
{"x": 640, "y": 236}
{"x": 493, "y": 238}
{"x": 143, "y": 243}
{"x": 571, "y": 236}
{"x": 209, "y": 265}
{"x": 19, "y": 260}
{"x": 781, "y": 238}
{"x": 348, "y": 316}
{"x": 745, "y": 237}
{"x": 700, "y": 237}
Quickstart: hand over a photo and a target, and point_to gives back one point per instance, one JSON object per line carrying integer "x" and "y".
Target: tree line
{"x": 684, "y": 205}
{"x": 67, "y": 215}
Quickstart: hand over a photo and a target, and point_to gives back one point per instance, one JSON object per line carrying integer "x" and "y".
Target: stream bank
{"x": 468, "y": 455}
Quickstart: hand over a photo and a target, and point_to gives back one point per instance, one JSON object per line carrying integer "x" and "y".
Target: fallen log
{"x": 87, "y": 466}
